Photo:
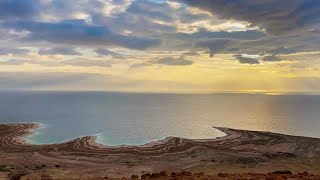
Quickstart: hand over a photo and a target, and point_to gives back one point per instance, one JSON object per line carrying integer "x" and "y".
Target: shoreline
{"x": 30, "y": 128}
{"x": 33, "y": 131}
{"x": 240, "y": 151}
{"x": 37, "y": 126}
{"x": 225, "y": 130}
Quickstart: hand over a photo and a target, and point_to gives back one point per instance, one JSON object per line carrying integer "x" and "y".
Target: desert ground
{"x": 241, "y": 154}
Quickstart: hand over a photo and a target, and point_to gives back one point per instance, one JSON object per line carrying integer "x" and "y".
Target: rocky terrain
{"x": 240, "y": 154}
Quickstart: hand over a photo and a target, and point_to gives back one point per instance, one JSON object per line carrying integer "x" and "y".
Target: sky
{"x": 168, "y": 46}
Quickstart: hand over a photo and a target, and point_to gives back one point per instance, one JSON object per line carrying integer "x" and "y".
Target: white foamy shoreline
{"x": 98, "y": 138}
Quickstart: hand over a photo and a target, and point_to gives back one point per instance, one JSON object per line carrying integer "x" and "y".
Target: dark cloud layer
{"x": 246, "y": 60}
{"x": 18, "y": 9}
{"x": 215, "y": 45}
{"x": 15, "y": 51}
{"x": 107, "y": 52}
{"x": 173, "y": 61}
{"x": 190, "y": 54}
{"x": 161, "y": 26}
{"x": 85, "y": 62}
{"x": 150, "y": 10}
{"x": 169, "y": 61}
{"x": 81, "y": 62}
{"x": 284, "y": 50}
{"x": 78, "y": 32}
{"x": 272, "y": 58}
{"x": 59, "y": 50}
{"x": 203, "y": 33}
{"x": 275, "y": 16}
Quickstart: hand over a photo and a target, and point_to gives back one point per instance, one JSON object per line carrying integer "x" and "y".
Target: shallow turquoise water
{"x": 120, "y": 118}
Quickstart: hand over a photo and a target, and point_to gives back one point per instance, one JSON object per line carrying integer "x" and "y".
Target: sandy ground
{"x": 239, "y": 152}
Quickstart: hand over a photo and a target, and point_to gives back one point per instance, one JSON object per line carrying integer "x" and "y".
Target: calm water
{"x": 139, "y": 118}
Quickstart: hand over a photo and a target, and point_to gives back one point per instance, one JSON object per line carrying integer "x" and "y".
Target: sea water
{"x": 135, "y": 119}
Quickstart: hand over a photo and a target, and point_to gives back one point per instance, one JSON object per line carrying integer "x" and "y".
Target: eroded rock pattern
{"x": 239, "y": 152}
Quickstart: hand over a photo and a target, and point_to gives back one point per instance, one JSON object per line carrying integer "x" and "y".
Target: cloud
{"x": 155, "y": 18}
{"x": 272, "y": 58}
{"x": 165, "y": 12}
{"x": 85, "y": 62}
{"x": 63, "y": 81}
{"x": 277, "y": 17}
{"x": 15, "y": 61}
{"x": 169, "y": 61}
{"x": 246, "y": 60}
{"x": 223, "y": 41}
{"x": 59, "y": 50}
{"x": 145, "y": 24}
{"x": 203, "y": 37}
{"x": 106, "y": 52}
{"x": 142, "y": 17}
{"x": 241, "y": 42}
{"x": 14, "y": 51}
{"x": 204, "y": 33}
{"x": 52, "y": 80}
{"x": 277, "y": 45}
{"x": 284, "y": 50}
{"x": 151, "y": 10}
{"x": 188, "y": 18}
{"x": 79, "y": 32}
{"x": 215, "y": 45}
{"x": 17, "y": 9}
{"x": 30, "y": 61}
{"x": 81, "y": 62}
{"x": 161, "y": 26}
{"x": 190, "y": 54}
{"x": 140, "y": 65}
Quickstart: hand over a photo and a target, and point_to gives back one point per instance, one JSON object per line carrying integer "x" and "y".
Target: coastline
{"x": 26, "y": 129}
{"x": 33, "y": 131}
{"x": 240, "y": 151}
{"x": 27, "y": 138}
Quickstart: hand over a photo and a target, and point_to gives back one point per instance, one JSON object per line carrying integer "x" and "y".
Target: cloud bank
{"x": 276, "y": 17}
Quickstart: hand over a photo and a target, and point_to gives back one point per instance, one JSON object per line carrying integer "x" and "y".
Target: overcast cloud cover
{"x": 103, "y": 35}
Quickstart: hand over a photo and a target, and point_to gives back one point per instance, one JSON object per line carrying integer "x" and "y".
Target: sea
{"x": 139, "y": 118}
